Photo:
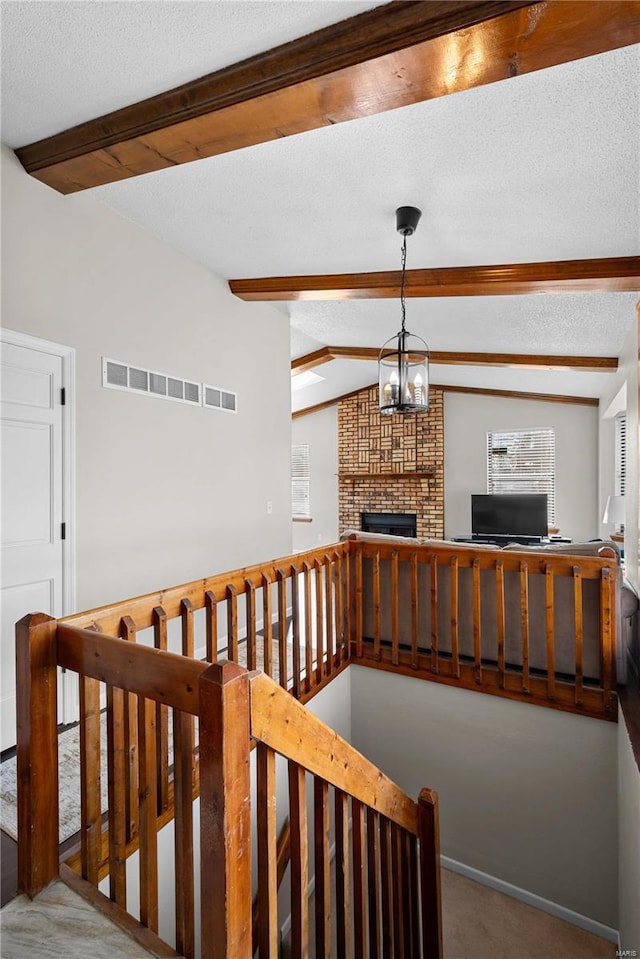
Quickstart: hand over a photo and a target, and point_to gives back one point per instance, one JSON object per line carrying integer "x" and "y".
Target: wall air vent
{"x": 218, "y": 399}
{"x": 134, "y": 379}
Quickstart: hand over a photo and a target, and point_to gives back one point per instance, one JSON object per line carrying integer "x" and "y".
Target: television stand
{"x": 501, "y": 540}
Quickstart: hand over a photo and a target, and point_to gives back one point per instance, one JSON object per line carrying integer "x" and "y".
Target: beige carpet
{"x": 480, "y": 923}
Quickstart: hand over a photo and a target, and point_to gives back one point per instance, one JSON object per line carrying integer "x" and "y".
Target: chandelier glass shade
{"x": 403, "y": 362}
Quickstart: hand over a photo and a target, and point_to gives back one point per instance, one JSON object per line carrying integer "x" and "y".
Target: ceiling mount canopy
{"x": 403, "y": 363}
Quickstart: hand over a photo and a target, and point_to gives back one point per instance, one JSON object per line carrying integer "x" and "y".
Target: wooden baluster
{"x": 405, "y": 855}
{"x": 358, "y": 603}
{"x": 579, "y": 632}
{"x": 414, "y": 896}
{"x": 131, "y": 741}
{"x": 349, "y": 603}
{"x": 455, "y": 623}
{"x": 524, "y": 621}
{"x": 232, "y": 623}
{"x": 607, "y": 632}
{"x": 283, "y": 852}
{"x": 183, "y": 747}
{"x": 322, "y": 868}
{"x": 117, "y": 787}
{"x": 162, "y": 715}
{"x": 429, "y": 835}
{"x": 308, "y": 628}
{"x": 359, "y": 879}
{"x": 373, "y": 881}
{"x": 550, "y": 631}
{"x": 395, "y": 606}
{"x": 414, "y": 610}
{"x": 225, "y": 812}
{"x": 477, "y": 636}
{"x": 283, "y": 665}
{"x": 90, "y": 782}
{"x": 341, "y": 629}
{"x": 186, "y": 615}
{"x": 396, "y": 892}
{"x": 328, "y": 592}
{"x": 386, "y": 887}
{"x": 267, "y": 627}
{"x": 268, "y": 929}
{"x": 211, "y": 618}
{"x": 343, "y": 879}
{"x": 147, "y": 814}
{"x": 184, "y": 772}
{"x": 319, "y": 622}
{"x": 37, "y": 752}
{"x": 299, "y": 861}
{"x": 376, "y": 605}
{"x": 500, "y": 616}
{"x": 250, "y": 597}
{"x": 433, "y": 565}
{"x": 295, "y": 631}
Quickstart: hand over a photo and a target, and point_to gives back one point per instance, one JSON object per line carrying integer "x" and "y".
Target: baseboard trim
{"x": 531, "y": 899}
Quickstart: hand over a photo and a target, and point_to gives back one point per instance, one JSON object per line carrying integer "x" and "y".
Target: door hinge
{"x": 63, "y": 531}
{"x": 63, "y": 397}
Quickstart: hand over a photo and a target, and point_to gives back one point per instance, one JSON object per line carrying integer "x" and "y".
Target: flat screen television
{"x": 509, "y": 514}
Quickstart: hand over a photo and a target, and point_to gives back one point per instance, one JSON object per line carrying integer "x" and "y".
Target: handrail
{"x": 140, "y": 608}
{"x": 286, "y": 726}
{"x": 156, "y": 674}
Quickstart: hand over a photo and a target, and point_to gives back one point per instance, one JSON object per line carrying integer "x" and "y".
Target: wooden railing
{"x": 538, "y": 628}
{"x": 395, "y": 880}
{"x": 387, "y": 899}
{"x": 288, "y": 617}
{"x": 523, "y": 625}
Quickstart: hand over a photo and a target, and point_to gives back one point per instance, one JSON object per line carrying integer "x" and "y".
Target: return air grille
{"x": 218, "y": 399}
{"x": 134, "y": 379}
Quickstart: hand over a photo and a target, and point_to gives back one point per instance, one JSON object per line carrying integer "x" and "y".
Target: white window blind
{"x": 523, "y": 461}
{"x": 620, "y": 453}
{"x": 300, "y": 480}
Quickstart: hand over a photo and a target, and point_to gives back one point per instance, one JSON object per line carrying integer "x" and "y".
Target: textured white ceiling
{"x": 540, "y": 167}
{"x": 67, "y": 62}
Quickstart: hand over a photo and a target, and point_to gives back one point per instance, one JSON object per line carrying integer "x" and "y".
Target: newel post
{"x": 37, "y": 752}
{"x": 225, "y": 813}
{"x": 429, "y": 835}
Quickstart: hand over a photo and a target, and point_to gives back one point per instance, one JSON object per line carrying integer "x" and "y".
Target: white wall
{"x": 629, "y": 840}
{"x": 320, "y": 431}
{"x": 166, "y": 493}
{"x": 527, "y": 794}
{"x": 467, "y": 420}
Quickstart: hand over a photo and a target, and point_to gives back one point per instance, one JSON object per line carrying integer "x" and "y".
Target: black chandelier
{"x": 403, "y": 363}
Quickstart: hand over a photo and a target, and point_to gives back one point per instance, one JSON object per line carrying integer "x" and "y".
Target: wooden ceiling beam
{"x": 395, "y": 55}
{"x": 614, "y": 274}
{"x": 580, "y": 364}
{"x": 508, "y": 394}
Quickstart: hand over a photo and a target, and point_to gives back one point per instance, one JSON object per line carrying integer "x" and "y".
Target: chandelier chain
{"x": 403, "y": 280}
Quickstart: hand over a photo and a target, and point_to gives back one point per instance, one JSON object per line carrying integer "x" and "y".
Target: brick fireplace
{"x": 391, "y": 464}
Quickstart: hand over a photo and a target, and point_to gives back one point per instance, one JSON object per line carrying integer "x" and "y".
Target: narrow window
{"x": 300, "y": 481}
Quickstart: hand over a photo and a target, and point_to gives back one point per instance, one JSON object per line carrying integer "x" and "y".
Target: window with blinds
{"x": 300, "y": 481}
{"x": 523, "y": 461}
{"x": 620, "y": 453}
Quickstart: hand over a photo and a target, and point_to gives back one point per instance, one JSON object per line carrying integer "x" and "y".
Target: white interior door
{"x": 32, "y": 503}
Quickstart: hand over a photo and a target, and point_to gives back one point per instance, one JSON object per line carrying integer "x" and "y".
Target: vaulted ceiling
{"x": 513, "y": 126}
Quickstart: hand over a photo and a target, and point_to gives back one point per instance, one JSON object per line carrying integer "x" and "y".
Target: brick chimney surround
{"x": 391, "y": 464}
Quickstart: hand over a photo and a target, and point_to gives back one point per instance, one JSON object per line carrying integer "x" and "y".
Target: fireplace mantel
{"x": 418, "y": 474}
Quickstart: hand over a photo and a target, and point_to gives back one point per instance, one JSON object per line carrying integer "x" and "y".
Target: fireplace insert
{"x": 399, "y": 524}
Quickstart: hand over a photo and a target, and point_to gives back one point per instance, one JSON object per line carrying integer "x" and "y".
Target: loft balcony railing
{"x": 173, "y": 678}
